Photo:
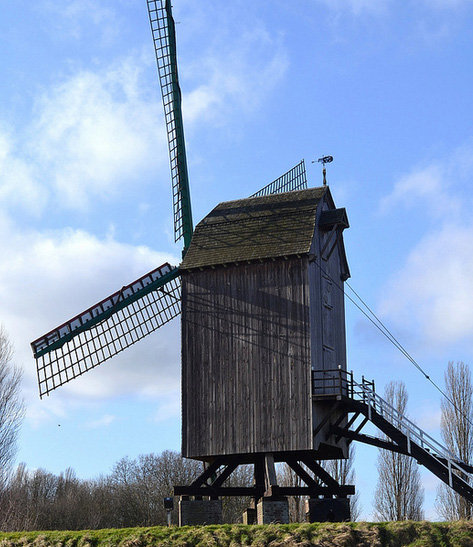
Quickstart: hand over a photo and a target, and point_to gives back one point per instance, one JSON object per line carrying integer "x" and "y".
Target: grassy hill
{"x": 392, "y": 534}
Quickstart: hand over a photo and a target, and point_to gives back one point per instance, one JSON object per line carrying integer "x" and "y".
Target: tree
{"x": 11, "y": 406}
{"x": 140, "y": 485}
{"x": 457, "y": 433}
{"x": 398, "y": 494}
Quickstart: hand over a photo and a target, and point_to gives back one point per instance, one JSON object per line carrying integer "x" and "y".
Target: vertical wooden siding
{"x": 328, "y": 339}
{"x": 246, "y": 359}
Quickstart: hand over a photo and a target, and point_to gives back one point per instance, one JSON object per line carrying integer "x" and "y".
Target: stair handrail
{"x": 366, "y": 393}
{"x": 412, "y": 430}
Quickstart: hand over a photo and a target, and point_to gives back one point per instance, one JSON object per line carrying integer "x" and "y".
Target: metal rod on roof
{"x": 324, "y": 160}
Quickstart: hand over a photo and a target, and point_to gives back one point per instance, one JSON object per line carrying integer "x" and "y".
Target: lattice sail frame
{"x": 294, "y": 179}
{"x": 164, "y": 39}
{"x": 107, "y": 328}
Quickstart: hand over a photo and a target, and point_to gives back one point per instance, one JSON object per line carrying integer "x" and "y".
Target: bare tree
{"x": 457, "y": 433}
{"x": 398, "y": 494}
{"x": 11, "y": 406}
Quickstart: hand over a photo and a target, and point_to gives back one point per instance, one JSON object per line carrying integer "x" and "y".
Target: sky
{"x": 85, "y": 202}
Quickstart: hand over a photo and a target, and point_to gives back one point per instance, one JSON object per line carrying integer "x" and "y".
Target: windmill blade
{"x": 164, "y": 38}
{"x": 107, "y": 328}
{"x": 294, "y": 179}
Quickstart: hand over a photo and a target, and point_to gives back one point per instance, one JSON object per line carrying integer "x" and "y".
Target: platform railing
{"x": 340, "y": 382}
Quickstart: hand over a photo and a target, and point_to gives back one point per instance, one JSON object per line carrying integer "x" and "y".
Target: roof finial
{"x": 323, "y": 160}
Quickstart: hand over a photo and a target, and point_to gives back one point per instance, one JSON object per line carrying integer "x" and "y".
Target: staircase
{"x": 405, "y": 437}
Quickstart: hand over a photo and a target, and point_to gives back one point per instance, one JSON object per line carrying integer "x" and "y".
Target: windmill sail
{"x": 294, "y": 179}
{"x": 164, "y": 38}
{"x": 107, "y": 328}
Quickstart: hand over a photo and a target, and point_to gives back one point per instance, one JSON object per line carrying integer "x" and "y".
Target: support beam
{"x": 362, "y": 425}
{"x": 252, "y": 491}
{"x": 368, "y": 439}
{"x": 320, "y": 472}
{"x": 351, "y": 421}
{"x": 271, "y": 481}
{"x": 225, "y": 474}
{"x": 211, "y": 470}
{"x": 301, "y": 472}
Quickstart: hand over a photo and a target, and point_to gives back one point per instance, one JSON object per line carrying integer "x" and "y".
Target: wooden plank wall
{"x": 327, "y": 304}
{"x": 328, "y": 338}
{"x": 246, "y": 359}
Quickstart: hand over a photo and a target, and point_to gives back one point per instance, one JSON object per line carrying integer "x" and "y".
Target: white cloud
{"x": 169, "y": 406}
{"x": 104, "y": 421}
{"x": 37, "y": 413}
{"x": 73, "y": 17}
{"x": 96, "y": 131}
{"x": 429, "y": 185}
{"x": 433, "y": 289}
{"x": 90, "y": 137}
{"x": 18, "y": 187}
{"x": 242, "y": 73}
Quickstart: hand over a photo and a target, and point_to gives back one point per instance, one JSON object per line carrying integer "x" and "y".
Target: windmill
{"x": 264, "y": 376}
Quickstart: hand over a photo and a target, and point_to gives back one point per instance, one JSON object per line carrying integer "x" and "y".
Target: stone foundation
{"x": 249, "y": 516}
{"x": 193, "y": 512}
{"x": 328, "y": 510}
{"x": 269, "y": 510}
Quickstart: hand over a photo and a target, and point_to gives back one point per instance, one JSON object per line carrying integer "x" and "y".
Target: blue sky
{"x": 85, "y": 203}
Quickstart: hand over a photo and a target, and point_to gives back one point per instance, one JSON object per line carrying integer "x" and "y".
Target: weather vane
{"x": 323, "y": 160}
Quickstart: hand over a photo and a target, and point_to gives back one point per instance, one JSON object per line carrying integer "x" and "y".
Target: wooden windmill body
{"x": 258, "y": 316}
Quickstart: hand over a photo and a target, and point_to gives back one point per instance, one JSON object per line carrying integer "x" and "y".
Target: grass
{"x": 360, "y": 534}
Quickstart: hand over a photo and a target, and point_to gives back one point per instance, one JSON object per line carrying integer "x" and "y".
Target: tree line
{"x": 131, "y": 495}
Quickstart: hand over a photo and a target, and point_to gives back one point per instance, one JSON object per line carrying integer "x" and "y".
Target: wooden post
{"x": 270, "y": 472}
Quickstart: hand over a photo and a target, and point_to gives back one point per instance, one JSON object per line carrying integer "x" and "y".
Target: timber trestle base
{"x": 269, "y": 499}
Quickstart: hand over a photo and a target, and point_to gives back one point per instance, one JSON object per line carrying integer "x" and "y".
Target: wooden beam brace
{"x": 224, "y": 474}
{"x": 335, "y": 244}
{"x": 252, "y": 491}
{"x": 335, "y": 407}
{"x": 350, "y": 422}
{"x": 329, "y": 239}
{"x": 340, "y": 490}
{"x": 339, "y": 419}
{"x": 211, "y": 470}
{"x": 320, "y": 472}
{"x": 301, "y": 472}
{"x": 368, "y": 439}
{"x": 362, "y": 425}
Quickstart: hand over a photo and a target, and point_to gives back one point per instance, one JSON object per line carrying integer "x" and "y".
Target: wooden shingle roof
{"x": 255, "y": 229}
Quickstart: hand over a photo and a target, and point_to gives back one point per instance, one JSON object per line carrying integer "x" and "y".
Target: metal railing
{"x": 341, "y": 382}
